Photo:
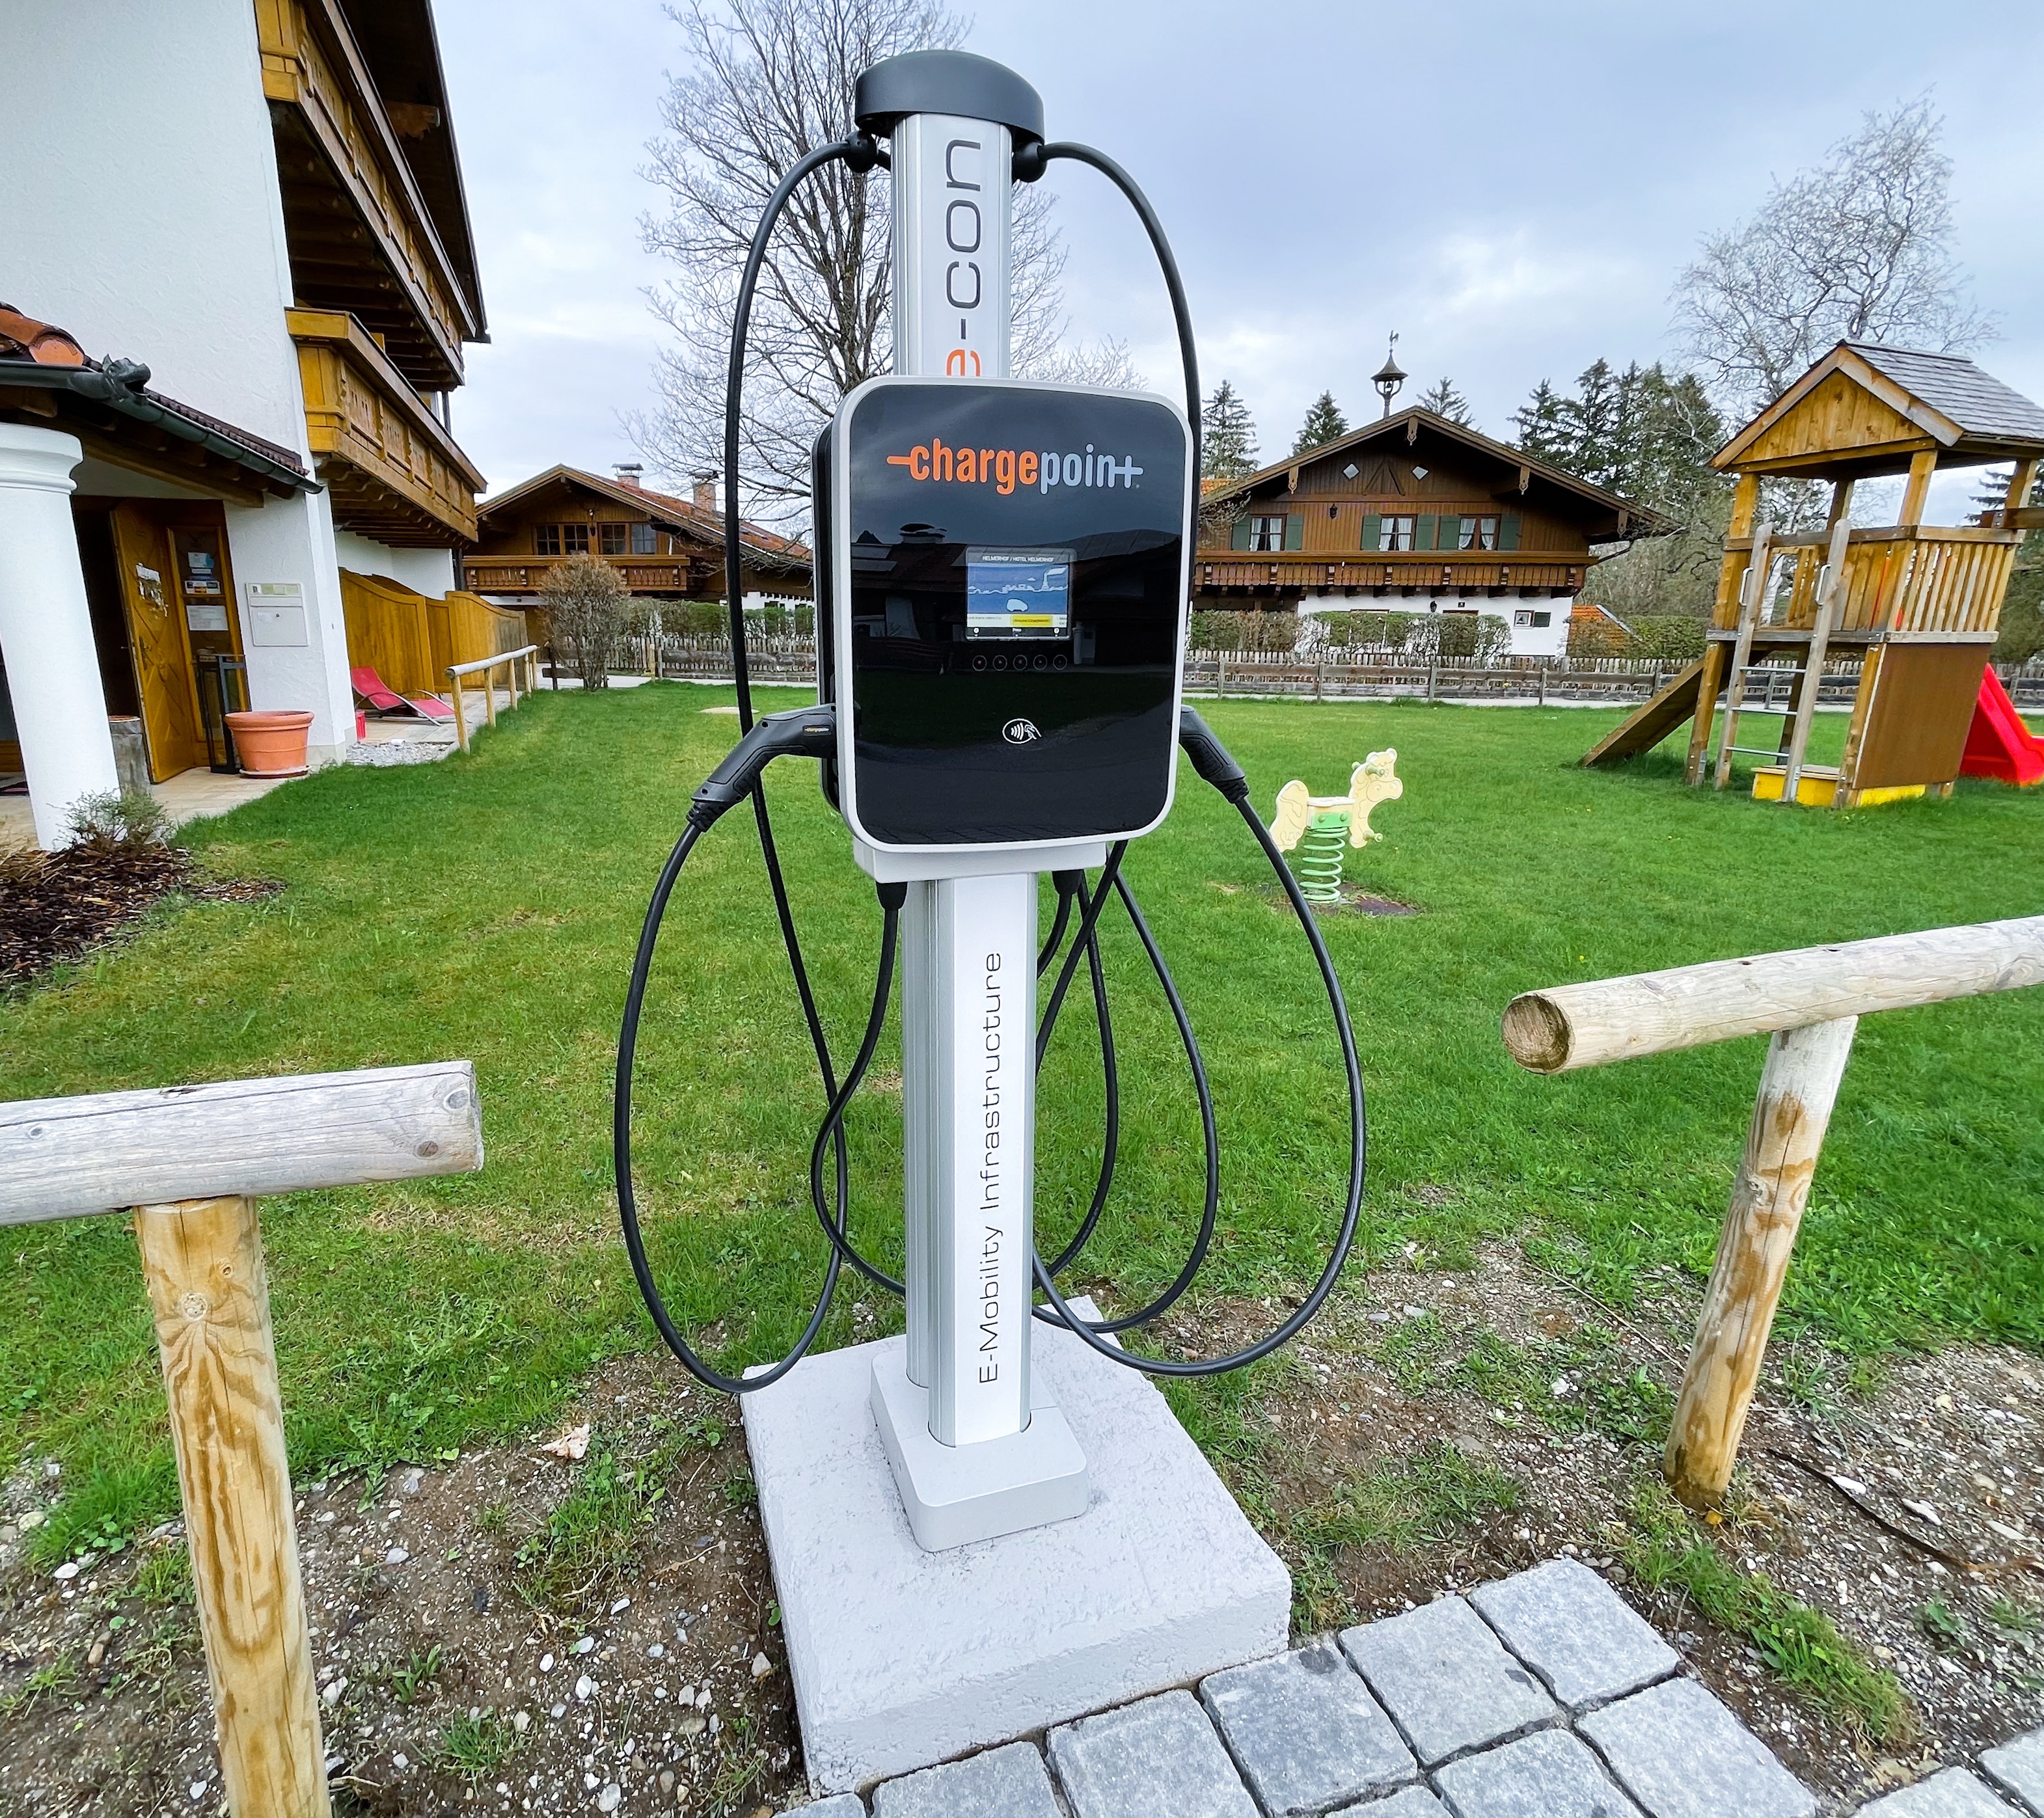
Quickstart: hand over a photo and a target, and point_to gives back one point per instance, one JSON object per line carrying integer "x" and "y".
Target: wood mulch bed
{"x": 58, "y": 907}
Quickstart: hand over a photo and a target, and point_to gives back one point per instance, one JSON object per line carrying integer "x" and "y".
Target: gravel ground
{"x": 519, "y": 1632}
{"x": 425, "y": 748}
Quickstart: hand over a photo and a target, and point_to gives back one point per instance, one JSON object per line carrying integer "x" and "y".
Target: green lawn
{"x": 486, "y": 907}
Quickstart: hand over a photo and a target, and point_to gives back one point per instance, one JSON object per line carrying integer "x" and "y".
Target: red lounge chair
{"x": 383, "y": 702}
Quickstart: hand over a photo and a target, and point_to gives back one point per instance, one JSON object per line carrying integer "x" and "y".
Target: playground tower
{"x": 1917, "y": 605}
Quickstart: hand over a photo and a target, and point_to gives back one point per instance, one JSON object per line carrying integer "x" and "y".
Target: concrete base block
{"x": 901, "y": 1658}
{"x": 955, "y": 1494}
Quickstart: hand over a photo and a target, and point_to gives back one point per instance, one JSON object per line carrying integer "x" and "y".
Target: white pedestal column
{"x": 46, "y": 632}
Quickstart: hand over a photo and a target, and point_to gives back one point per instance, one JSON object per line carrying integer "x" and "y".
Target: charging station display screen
{"x": 1008, "y": 568}
{"x": 1018, "y": 593}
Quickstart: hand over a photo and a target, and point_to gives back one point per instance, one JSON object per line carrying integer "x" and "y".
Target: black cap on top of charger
{"x": 947, "y": 82}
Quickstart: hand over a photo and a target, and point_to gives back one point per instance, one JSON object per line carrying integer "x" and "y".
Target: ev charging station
{"x": 974, "y": 1536}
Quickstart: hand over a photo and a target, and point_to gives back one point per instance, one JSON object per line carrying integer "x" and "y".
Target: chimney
{"x": 705, "y": 495}
{"x": 628, "y": 473}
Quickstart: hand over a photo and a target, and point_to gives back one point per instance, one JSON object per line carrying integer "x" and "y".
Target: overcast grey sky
{"x": 1514, "y": 188}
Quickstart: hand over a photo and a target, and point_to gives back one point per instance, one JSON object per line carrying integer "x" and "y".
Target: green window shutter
{"x": 1449, "y": 534}
{"x": 1237, "y": 537}
{"x": 1423, "y": 534}
{"x": 1507, "y": 530}
{"x": 1295, "y": 530}
{"x": 1373, "y": 531}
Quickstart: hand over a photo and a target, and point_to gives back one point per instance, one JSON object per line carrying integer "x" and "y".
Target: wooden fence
{"x": 1810, "y": 1002}
{"x": 190, "y": 1162}
{"x": 524, "y": 660}
{"x": 1363, "y": 675}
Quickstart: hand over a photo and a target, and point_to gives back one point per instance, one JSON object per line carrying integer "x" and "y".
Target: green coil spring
{"x": 1317, "y": 862}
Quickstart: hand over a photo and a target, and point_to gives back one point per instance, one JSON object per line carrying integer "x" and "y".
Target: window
{"x": 610, "y": 539}
{"x": 1539, "y": 621}
{"x": 1396, "y": 533}
{"x": 1478, "y": 533}
{"x": 1266, "y": 534}
{"x": 575, "y": 539}
{"x": 546, "y": 539}
{"x": 642, "y": 539}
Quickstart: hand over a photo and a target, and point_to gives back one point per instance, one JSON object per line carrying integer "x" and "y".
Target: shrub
{"x": 1245, "y": 631}
{"x": 1470, "y": 637}
{"x": 585, "y": 599}
{"x": 781, "y": 618}
{"x": 119, "y": 818}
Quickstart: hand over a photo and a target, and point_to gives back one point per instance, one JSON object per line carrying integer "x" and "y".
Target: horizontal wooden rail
{"x": 1809, "y": 1002}
{"x": 190, "y": 1160}
{"x": 527, "y": 653}
{"x": 1570, "y": 1026}
{"x": 63, "y": 1158}
{"x": 492, "y": 662}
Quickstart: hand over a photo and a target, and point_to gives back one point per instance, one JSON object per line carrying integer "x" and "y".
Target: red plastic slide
{"x": 1998, "y": 744}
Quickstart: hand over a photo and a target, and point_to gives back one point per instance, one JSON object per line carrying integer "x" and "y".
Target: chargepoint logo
{"x": 1020, "y": 732}
{"x": 1005, "y": 469}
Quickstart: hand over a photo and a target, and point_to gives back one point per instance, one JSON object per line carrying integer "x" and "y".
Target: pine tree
{"x": 1541, "y": 426}
{"x": 1324, "y": 424}
{"x": 1227, "y": 435}
{"x": 1443, "y": 400}
{"x": 1591, "y": 421}
{"x": 1993, "y": 494}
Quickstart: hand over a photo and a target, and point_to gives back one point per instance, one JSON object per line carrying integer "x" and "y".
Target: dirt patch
{"x": 1444, "y": 1428}
{"x": 1432, "y": 1430}
{"x": 514, "y": 1630}
{"x": 55, "y": 908}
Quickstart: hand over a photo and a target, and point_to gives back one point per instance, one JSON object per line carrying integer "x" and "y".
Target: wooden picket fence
{"x": 1357, "y": 675}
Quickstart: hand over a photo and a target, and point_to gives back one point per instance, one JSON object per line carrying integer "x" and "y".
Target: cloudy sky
{"x": 1513, "y": 189}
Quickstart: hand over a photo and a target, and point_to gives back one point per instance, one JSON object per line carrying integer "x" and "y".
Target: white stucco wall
{"x": 428, "y": 571}
{"x": 143, "y": 213}
{"x": 144, "y": 216}
{"x": 1551, "y": 639}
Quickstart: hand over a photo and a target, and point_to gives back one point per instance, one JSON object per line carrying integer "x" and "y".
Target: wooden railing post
{"x": 1798, "y": 1087}
{"x": 460, "y": 709}
{"x": 1809, "y": 1001}
{"x": 202, "y": 1260}
{"x": 489, "y": 693}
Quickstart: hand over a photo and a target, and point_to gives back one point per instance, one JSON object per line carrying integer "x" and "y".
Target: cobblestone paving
{"x": 1542, "y": 1695}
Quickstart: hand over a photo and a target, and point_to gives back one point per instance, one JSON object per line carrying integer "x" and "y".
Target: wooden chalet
{"x": 262, "y": 200}
{"x": 1919, "y": 605}
{"x": 1413, "y": 513}
{"x": 663, "y": 547}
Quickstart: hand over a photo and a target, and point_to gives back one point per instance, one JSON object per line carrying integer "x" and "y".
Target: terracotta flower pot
{"x": 271, "y": 743}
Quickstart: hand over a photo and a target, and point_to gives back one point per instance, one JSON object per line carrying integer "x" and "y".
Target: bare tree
{"x": 1857, "y": 248}
{"x": 585, "y": 602}
{"x": 767, "y": 82}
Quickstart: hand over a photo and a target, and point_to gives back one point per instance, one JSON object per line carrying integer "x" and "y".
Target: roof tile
{"x": 23, "y": 337}
{"x": 1977, "y": 400}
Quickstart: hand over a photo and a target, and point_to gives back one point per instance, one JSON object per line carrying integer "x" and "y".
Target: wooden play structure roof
{"x": 1864, "y": 410}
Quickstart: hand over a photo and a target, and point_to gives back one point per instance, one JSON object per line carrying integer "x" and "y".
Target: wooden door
{"x": 197, "y": 536}
{"x": 157, "y": 637}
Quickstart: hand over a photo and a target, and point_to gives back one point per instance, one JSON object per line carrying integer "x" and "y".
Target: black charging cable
{"x": 808, "y": 732}
{"x": 813, "y": 733}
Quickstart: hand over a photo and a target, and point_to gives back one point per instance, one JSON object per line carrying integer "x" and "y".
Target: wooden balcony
{"x": 688, "y": 578}
{"x": 1921, "y": 582}
{"x": 360, "y": 236}
{"x": 1405, "y": 571}
{"x": 394, "y": 471}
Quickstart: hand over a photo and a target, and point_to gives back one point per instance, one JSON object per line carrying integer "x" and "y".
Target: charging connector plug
{"x": 803, "y": 733}
{"x": 1210, "y": 757}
